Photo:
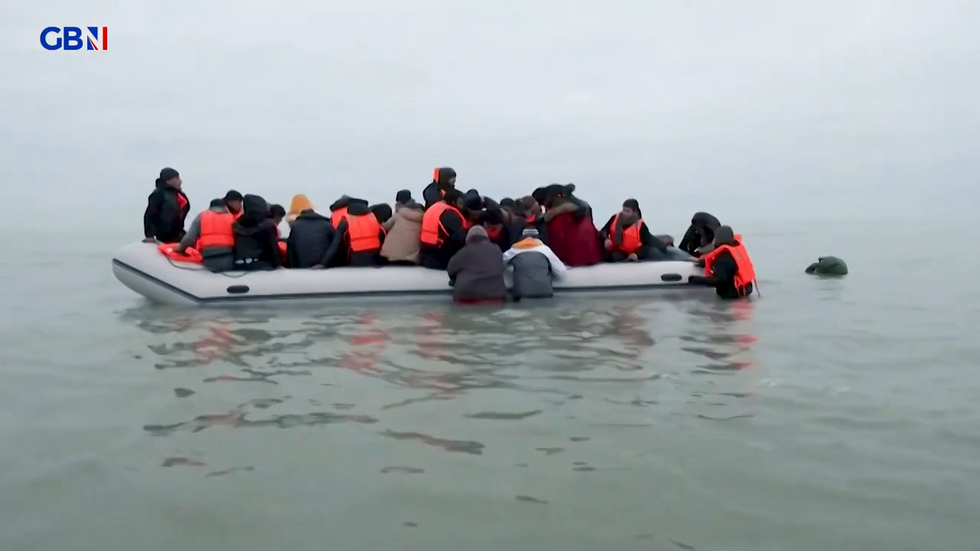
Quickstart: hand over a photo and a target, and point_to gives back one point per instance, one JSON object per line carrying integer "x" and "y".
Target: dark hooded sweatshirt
{"x": 433, "y": 192}
{"x": 341, "y": 242}
{"x": 256, "y": 238}
{"x": 476, "y": 272}
{"x": 652, "y": 249}
{"x": 700, "y": 233}
{"x": 572, "y": 236}
{"x": 310, "y": 237}
{"x": 723, "y": 268}
{"x": 453, "y": 239}
{"x": 166, "y": 210}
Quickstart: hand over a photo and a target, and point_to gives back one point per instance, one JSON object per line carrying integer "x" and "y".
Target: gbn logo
{"x": 96, "y": 38}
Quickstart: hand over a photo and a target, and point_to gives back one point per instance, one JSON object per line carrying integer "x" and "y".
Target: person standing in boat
{"x": 443, "y": 231}
{"x": 535, "y": 267}
{"x": 700, "y": 234}
{"x": 476, "y": 272}
{"x": 167, "y": 208}
{"x": 256, "y": 238}
{"x": 443, "y": 180}
{"x": 212, "y": 235}
{"x": 728, "y": 267}
{"x": 627, "y": 238}
{"x": 359, "y": 237}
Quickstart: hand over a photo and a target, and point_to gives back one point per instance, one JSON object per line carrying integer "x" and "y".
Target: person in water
{"x": 727, "y": 267}
{"x": 627, "y": 238}
{"x": 535, "y": 267}
{"x": 404, "y": 229}
{"x": 443, "y": 231}
{"x": 167, "y": 208}
{"x": 701, "y": 233}
{"x": 233, "y": 202}
{"x": 476, "y": 271}
{"x": 310, "y": 237}
{"x": 443, "y": 180}
{"x": 571, "y": 230}
{"x": 256, "y": 237}
{"x": 359, "y": 236}
{"x": 211, "y": 234}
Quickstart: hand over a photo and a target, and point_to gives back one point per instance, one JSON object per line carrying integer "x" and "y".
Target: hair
{"x": 277, "y": 211}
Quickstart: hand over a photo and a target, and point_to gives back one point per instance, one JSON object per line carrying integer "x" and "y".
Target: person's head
{"x": 382, "y": 212}
{"x": 492, "y": 222}
{"x": 724, "y": 236}
{"x": 277, "y": 212}
{"x": 528, "y": 206}
{"x": 233, "y": 200}
{"x": 473, "y": 201}
{"x": 170, "y": 178}
{"x": 217, "y": 203}
{"x": 631, "y": 211}
{"x": 444, "y": 177}
{"x": 508, "y": 205}
{"x": 254, "y": 210}
{"x": 453, "y": 198}
{"x": 476, "y": 234}
{"x": 402, "y": 198}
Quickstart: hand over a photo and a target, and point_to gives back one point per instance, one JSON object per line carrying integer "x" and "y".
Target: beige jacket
{"x": 402, "y": 242}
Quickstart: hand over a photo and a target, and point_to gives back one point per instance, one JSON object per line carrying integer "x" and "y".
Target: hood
{"x": 635, "y": 205}
{"x": 477, "y": 234}
{"x": 442, "y": 177}
{"x": 472, "y": 200}
{"x": 310, "y": 214}
{"x": 704, "y": 220}
{"x": 254, "y": 210}
{"x": 298, "y": 204}
{"x": 358, "y": 207}
{"x": 725, "y": 236}
{"x": 412, "y": 212}
{"x": 346, "y": 201}
{"x": 382, "y": 211}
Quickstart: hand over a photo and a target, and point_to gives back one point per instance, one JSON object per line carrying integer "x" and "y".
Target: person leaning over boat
{"x": 535, "y": 267}
{"x": 309, "y": 240}
{"x": 211, "y": 234}
{"x": 167, "y": 208}
{"x": 476, "y": 271}
{"x": 443, "y": 231}
{"x": 359, "y": 237}
{"x": 627, "y": 238}
{"x": 401, "y": 246}
{"x": 256, "y": 240}
{"x": 727, "y": 267}
{"x": 698, "y": 237}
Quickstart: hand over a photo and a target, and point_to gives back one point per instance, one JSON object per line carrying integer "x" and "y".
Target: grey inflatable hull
{"x": 142, "y": 268}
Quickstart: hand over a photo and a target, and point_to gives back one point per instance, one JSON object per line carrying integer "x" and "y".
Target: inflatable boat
{"x": 147, "y": 271}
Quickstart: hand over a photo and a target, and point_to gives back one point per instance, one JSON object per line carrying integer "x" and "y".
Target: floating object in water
{"x": 828, "y": 266}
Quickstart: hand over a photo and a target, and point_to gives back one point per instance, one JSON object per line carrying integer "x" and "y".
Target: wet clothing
{"x": 443, "y": 235}
{"x": 631, "y": 237}
{"x": 310, "y": 237}
{"x": 535, "y": 268}
{"x": 700, "y": 233}
{"x": 573, "y": 235}
{"x": 443, "y": 179}
{"x": 166, "y": 210}
{"x": 359, "y": 237}
{"x": 256, "y": 237}
{"x": 212, "y": 235}
{"x": 404, "y": 229}
{"x": 728, "y": 267}
{"x": 476, "y": 272}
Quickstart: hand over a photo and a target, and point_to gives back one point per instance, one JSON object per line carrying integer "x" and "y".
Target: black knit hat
{"x": 403, "y": 196}
{"x": 168, "y": 173}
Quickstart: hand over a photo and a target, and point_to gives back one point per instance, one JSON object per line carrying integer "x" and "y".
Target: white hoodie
{"x": 530, "y": 244}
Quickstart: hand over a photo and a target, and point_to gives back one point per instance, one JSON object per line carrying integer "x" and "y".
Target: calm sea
{"x": 828, "y": 415}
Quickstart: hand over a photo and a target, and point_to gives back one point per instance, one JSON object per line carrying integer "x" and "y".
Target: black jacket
{"x": 722, "y": 277}
{"x": 256, "y": 237}
{"x": 164, "y": 217}
{"x": 341, "y": 241}
{"x": 453, "y": 239}
{"x": 701, "y": 232}
{"x": 310, "y": 237}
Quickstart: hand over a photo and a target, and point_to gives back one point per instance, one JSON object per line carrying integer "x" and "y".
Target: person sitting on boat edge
{"x": 443, "y": 231}
{"x": 256, "y": 241}
{"x": 699, "y": 236}
{"x": 443, "y": 180}
{"x": 309, "y": 240}
{"x": 401, "y": 246}
{"x": 571, "y": 229}
{"x": 476, "y": 272}
{"x": 211, "y": 234}
{"x": 359, "y": 237}
{"x": 535, "y": 267}
{"x": 167, "y": 208}
{"x": 627, "y": 238}
{"x": 728, "y": 267}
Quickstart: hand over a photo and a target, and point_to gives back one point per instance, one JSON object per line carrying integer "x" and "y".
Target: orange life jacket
{"x": 216, "y": 230}
{"x": 191, "y": 255}
{"x": 337, "y": 216}
{"x": 363, "y": 231}
{"x": 746, "y": 271}
{"x": 631, "y": 237}
{"x": 432, "y": 225}
{"x": 280, "y": 243}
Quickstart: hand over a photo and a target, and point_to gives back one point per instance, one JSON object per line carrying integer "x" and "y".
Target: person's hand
{"x": 608, "y": 244}
{"x": 150, "y": 240}
{"x": 316, "y": 267}
{"x": 632, "y": 258}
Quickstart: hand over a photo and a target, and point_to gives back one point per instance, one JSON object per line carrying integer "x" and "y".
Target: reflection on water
{"x": 417, "y": 376}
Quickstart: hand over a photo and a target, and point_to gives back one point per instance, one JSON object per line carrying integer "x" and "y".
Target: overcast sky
{"x": 744, "y": 108}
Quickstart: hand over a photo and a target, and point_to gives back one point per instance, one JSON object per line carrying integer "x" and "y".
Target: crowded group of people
{"x": 470, "y": 236}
